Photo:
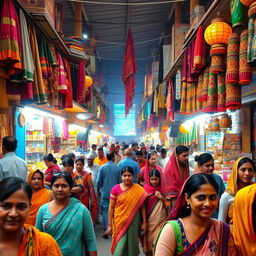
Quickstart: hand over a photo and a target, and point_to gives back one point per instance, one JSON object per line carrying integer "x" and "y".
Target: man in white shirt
{"x": 11, "y": 165}
{"x": 162, "y": 159}
{"x": 93, "y": 150}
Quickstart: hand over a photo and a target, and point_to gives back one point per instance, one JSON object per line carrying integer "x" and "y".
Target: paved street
{"x": 103, "y": 244}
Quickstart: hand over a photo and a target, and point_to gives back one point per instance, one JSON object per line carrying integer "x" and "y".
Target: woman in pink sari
{"x": 155, "y": 210}
{"x": 191, "y": 230}
{"x": 150, "y": 165}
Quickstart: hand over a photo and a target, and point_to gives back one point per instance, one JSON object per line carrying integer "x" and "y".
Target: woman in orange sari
{"x": 17, "y": 238}
{"x": 244, "y": 221}
{"x": 88, "y": 196}
{"x": 40, "y": 196}
{"x": 126, "y": 209}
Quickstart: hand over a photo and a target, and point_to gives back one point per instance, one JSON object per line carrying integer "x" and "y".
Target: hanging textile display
{"x": 80, "y": 90}
{"x": 218, "y": 54}
{"x": 68, "y": 101}
{"x": 251, "y": 50}
{"x": 237, "y": 13}
{"x": 10, "y": 41}
{"x": 199, "y": 91}
{"x": 232, "y": 73}
{"x": 148, "y": 87}
{"x": 160, "y": 98}
{"x": 233, "y": 96}
{"x": 170, "y": 102}
{"x": 189, "y": 137}
{"x": 199, "y": 51}
{"x": 129, "y": 71}
{"x": 178, "y": 85}
{"x": 211, "y": 105}
{"x": 221, "y": 105}
{"x": 62, "y": 79}
{"x": 39, "y": 91}
{"x": 245, "y": 69}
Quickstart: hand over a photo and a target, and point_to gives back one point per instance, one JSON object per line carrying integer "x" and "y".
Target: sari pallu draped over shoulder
{"x": 36, "y": 243}
{"x": 243, "y": 232}
{"x": 126, "y": 208}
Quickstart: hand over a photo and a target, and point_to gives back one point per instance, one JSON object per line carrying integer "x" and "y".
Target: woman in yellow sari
{"x": 245, "y": 221}
{"x": 17, "y": 238}
{"x": 40, "y": 196}
{"x": 126, "y": 209}
{"x": 241, "y": 176}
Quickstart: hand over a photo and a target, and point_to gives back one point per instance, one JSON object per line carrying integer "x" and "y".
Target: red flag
{"x": 129, "y": 70}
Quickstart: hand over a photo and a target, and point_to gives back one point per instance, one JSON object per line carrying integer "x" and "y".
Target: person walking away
{"x": 11, "y": 165}
{"x": 191, "y": 230}
{"x": 140, "y": 159}
{"x": 155, "y": 211}
{"x": 88, "y": 196}
{"x": 100, "y": 159}
{"x": 162, "y": 159}
{"x": 67, "y": 220}
{"x": 150, "y": 165}
{"x": 17, "y": 238}
{"x": 118, "y": 156}
{"x": 126, "y": 215}
{"x": 175, "y": 174}
{"x": 205, "y": 163}
{"x": 41, "y": 195}
{"x": 93, "y": 151}
{"x": 52, "y": 167}
{"x": 241, "y": 176}
{"x": 105, "y": 148}
{"x": 128, "y": 161}
{"x": 244, "y": 221}
{"x": 134, "y": 148}
{"x": 107, "y": 178}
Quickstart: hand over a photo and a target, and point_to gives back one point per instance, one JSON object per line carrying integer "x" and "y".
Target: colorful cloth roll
{"x": 218, "y": 49}
{"x": 205, "y": 85}
{"x": 218, "y": 64}
{"x": 245, "y": 69}
{"x": 200, "y": 87}
{"x": 251, "y": 50}
{"x": 232, "y": 74}
{"x": 221, "y": 106}
{"x": 233, "y": 96}
{"x": 211, "y": 105}
{"x": 237, "y": 13}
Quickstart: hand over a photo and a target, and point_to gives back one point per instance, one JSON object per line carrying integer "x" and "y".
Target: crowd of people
{"x": 146, "y": 195}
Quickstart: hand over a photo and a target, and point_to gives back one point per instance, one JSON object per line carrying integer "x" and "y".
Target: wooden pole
{"x": 177, "y": 10}
{"x": 78, "y": 19}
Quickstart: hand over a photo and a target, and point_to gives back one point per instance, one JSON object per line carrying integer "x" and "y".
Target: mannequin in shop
{"x": 11, "y": 165}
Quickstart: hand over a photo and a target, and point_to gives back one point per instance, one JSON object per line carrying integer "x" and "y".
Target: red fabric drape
{"x": 129, "y": 70}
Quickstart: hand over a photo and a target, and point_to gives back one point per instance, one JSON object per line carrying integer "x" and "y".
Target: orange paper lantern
{"x": 218, "y": 32}
{"x": 247, "y": 2}
{"x": 183, "y": 129}
{"x": 88, "y": 81}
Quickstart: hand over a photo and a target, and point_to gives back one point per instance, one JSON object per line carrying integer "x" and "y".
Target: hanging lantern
{"x": 216, "y": 35}
{"x": 225, "y": 121}
{"x": 215, "y": 124}
{"x": 152, "y": 129}
{"x": 218, "y": 32}
{"x": 247, "y": 2}
{"x": 165, "y": 128}
{"x": 88, "y": 81}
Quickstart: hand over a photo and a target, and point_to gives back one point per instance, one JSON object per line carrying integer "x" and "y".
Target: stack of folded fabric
{"x": 75, "y": 45}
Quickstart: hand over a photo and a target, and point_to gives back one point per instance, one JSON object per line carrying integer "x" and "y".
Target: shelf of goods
{"x": 69, "y": 144}
{"x": 35, "y": 146}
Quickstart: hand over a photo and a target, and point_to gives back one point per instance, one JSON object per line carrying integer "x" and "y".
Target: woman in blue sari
{"x": 67, "y": 219}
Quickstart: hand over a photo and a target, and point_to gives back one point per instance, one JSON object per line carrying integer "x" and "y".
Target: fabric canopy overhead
{"x": 129, "y": 70}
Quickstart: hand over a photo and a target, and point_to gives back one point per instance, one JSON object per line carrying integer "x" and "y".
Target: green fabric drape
{"x": 188, "y": 138}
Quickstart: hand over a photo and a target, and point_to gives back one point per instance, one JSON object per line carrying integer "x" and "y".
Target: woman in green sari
{"x": 67, "y": 219}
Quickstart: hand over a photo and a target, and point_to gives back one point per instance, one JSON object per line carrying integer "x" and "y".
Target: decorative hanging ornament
{"x": 247, "y": 2}
{"x": 165, "y": 128}
{"x": 183, "y": 129}
{"x": 216, "y": 35}
{"x": 88, "y": 81}
{"x": 217, "y": 32}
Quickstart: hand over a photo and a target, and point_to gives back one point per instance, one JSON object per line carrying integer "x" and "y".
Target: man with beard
{"x": 175, "y": 173}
